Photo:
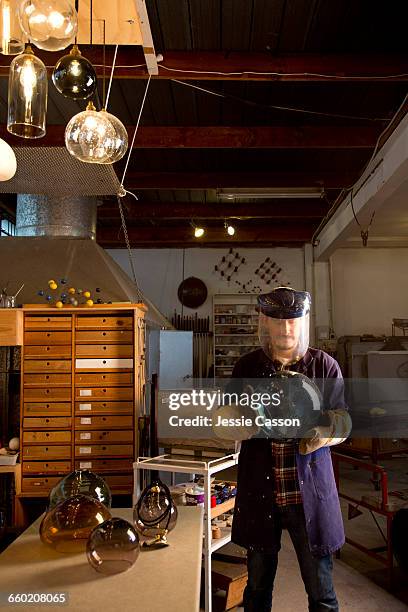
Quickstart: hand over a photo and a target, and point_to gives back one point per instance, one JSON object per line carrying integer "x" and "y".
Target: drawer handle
{"x": 103, "y": 447}
{"x": 48, "y": 363}
{"x": 104, "y": 348}
{"x": 49, "y": 320}
{"x": 104, "y": 390}
{"x": 46, "y": 448}
{"x": 48, "y": 335}
{"x": 47, "y": 377}
{"x": 47, "y": 420}
{"x": 47, "y": 390}
{"x": 47, "y": 405}
{"x": 103, "y": 418}
{"x": 103, "y": 333}
{"x": 104, "y": 404}
{"x": 48, "y": 348}
{"x": 104, "y": 361}
{"x": 47, "y": 435}
{"x": 46, "y": 465}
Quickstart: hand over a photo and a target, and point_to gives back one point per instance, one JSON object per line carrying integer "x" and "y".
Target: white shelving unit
{"x": 235, "y": 322}
{"x": 206, "y": 468}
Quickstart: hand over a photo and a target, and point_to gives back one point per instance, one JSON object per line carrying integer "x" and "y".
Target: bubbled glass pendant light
{"x": 119, "y": 144}
{"x": 74, "y": 76}
{"x": 49, "y": 24}
{"x": 113, "y": 546}
{"x": 12, "y": 37}
{"x": 80, "y": 482}
{"x": 90, "y": 136}
{"x": 27, "y": 96}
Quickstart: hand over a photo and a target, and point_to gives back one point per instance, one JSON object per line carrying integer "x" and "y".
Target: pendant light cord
{"x": 111, "y": 77}
{"x": 134, "y": 134}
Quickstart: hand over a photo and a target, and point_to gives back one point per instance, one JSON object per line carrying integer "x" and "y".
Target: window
{"x": 7, "y": 228}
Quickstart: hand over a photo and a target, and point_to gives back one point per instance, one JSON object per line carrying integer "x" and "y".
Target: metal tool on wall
{"x": 202, "y": 341}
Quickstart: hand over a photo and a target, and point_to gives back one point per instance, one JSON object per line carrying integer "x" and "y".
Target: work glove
{"x": 334, "y": 429}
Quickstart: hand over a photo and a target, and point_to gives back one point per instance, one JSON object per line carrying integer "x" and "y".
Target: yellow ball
{"x": 51, "y": 281}
{"x": 89, "y": 302}
{"x": 72, "y": 290}
{"x": 87, "y": 294}
{"x": 59, "y": 304}
{"x": 53, "y": 285}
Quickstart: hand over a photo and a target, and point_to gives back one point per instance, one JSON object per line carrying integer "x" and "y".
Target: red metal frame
{"x": 388, "y": 560}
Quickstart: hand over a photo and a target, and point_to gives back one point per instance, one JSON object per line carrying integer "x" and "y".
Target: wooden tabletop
{"x": 161, "y": 580}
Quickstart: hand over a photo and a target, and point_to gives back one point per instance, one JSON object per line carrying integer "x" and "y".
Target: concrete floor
{"x": 360, "y": 581}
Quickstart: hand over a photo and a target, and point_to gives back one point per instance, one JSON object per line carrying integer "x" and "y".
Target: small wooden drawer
{"x": 55, "y": 394}
{"x": 105, "y": 465}
{"x": 119, "y": 483}
{"x": 52, "y": 380}
{"x": 46, "y": 422}
{"x": 86, "y": 437}
{"x": 117, "y": 336}
{"x": 90, "y": 407}
{"x": 103, "y": 364}
{"x": 47, "y": 409}
{"x": 39, "y": 484}
{"x": 46, "y": 467}
{"x": 46, "y": 452}
{"x": 46, "y": 437}
{"x": 47, "y": 351}
{"x": 103, "y": 450}
{"x": 47, "y": 322}
{"x": 104, "y": 322}
{"x": 47, "y": 337}
{"x": 34, "y": 365}
{"x": 102, "y": 379}
{"x": 119, "y": 351}
{"x": 104, "y": 393}
{"x": 101, "y": 422}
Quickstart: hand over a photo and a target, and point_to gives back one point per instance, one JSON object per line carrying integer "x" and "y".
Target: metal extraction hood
{"x": 55, "y": 240}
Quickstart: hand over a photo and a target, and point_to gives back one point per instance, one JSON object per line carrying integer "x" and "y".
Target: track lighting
{"x": 199, "y": 232}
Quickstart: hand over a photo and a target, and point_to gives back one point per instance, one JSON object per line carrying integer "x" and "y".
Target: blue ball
{"x": 48, "y": 298}
{"x": 41, "y": 292}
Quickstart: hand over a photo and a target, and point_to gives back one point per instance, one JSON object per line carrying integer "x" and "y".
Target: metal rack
{"x": 206, "y": 468}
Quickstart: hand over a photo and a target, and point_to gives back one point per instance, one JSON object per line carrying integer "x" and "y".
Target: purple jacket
{"x": 253, "y": 520}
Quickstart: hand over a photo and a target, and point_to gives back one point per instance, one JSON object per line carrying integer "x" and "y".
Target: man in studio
{"x": 286, "y": 482}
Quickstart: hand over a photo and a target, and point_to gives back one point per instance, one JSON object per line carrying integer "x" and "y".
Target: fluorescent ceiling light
{"x": 289, "y": 193}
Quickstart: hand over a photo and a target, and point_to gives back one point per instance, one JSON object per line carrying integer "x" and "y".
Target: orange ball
{"x": 59, "y": 304}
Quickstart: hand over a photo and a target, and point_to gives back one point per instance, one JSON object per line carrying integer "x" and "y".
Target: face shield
{"x": 283, "y": 328}
{"x": 284, "y": 340}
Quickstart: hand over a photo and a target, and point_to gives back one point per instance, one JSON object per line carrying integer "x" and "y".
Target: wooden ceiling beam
{"x": 239, "y": 179}
{"x": 228, "y": 137}
{"x": 274, "y": 209}
{"x": 152, "y": 236}
{"x": 241, "y": 66}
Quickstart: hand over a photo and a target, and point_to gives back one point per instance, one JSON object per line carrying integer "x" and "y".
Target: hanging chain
{"x": 363, "y": 231}
{"x": 125, "y": 233}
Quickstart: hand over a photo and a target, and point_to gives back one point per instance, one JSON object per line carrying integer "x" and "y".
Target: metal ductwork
{"x": 56, "y": 239}
{"x": 40, "y": 215}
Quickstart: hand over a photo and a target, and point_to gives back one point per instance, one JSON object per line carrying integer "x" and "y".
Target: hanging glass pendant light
{"x": 27, "y": 96}
{"x": 49, "y": 24}
{"x": 119, "y": 145}
{"x": 74, "y": 76}
{"x": 90, "y": 136}
{"x": 12, "y": 37}
{"x": 8, "y": 162}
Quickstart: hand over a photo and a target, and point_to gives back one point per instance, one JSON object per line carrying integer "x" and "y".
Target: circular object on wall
{"x": 192, "y": 292}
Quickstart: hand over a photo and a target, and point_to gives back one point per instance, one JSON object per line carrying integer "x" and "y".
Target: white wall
{"x": 160, "y": 271}
{"x": 370, "y": 288}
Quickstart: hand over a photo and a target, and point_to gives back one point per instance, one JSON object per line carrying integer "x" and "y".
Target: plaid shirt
{"x": 286, "y": 483}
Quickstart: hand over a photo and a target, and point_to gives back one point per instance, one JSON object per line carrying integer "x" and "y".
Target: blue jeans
{"x": 316, "y": 571}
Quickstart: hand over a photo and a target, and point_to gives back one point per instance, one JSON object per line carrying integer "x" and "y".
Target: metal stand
{"x": 206, "y": 468}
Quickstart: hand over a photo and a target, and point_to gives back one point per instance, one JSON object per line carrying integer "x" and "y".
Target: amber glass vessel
{"x": 80, "y": 482}
{"x": 113, "y": 546}
{"x": 68, "y": 526}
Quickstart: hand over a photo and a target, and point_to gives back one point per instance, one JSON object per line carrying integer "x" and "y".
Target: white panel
{"x": 94, "y": 364}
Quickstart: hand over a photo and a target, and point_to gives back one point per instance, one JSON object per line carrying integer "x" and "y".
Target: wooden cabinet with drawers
{"x": 82, "y": 384}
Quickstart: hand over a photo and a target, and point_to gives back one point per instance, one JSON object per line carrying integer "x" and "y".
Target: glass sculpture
{"x": 50, "y": 24}
{"x": 80, "y": 482}
{"x": 11, "y": 36}
{"x": 155, "y": 514}
{"x": 74, "y": 76}
{"x": 113, "y": 546}
{"x": 68, "y": 526}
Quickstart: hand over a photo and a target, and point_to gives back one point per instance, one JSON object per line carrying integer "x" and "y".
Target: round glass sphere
{"x": 8, "y": 163}
{"x": 89, "y": 136}
{"x": 113, "y": 546}
{"x": 80, "y": 482}
{"x": 74, "y": 76}
{"x": 68, "y": 526}
{"x": 119, "y": 145}
{"x": 155, "y": 513}
{"x": 49, "y": 24}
